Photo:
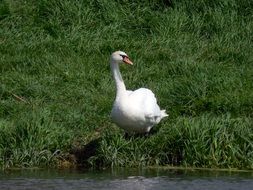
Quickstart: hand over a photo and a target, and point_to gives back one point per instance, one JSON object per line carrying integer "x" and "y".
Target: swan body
{"x": 134, "y": 111}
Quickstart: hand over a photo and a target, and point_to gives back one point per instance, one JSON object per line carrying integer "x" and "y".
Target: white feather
{"x": 134, "y": 111}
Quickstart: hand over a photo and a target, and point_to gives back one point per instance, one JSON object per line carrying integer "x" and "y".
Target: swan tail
{"x": 164, "y": 114}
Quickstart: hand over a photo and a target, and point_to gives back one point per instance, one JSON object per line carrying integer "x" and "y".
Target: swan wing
{"x": 145, "y": 104}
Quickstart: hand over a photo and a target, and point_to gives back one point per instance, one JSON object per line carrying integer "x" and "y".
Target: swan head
{"x": 120, "y": 57}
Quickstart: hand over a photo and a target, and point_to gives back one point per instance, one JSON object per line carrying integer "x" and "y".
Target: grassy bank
{"x": 56, "y": 89}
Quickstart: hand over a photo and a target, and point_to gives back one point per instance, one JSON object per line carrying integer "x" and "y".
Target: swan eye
{"x": 123, "y": 56}
{"x": 126, "y": 59}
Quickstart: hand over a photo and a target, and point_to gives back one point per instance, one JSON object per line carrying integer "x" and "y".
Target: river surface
{"x": 121, "y": 179}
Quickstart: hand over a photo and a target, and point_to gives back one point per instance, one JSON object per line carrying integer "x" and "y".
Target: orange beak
{"x": 127, "y": 60}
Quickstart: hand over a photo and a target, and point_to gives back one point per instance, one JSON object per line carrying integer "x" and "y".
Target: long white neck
{"x": 120, "y": 86}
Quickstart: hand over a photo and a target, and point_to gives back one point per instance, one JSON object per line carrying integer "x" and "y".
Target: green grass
{"x": 56, "y": 89}
{"x": 204, "y": 141}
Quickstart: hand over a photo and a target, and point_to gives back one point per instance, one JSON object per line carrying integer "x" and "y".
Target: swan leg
{"x": 129, "y": 136}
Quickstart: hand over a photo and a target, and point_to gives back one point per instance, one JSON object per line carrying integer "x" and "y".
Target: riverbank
{"x": 56, "y": 89}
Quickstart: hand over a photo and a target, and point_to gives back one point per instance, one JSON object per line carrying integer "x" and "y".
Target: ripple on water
{"x": 119, "y": 181}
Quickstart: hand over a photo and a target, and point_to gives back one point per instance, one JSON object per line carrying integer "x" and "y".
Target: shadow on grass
{"x": 83, "y": 155}
{"x": 125, "y": 150}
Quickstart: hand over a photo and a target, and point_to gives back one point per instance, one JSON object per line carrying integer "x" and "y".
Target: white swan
{"x": 134, "y": 111}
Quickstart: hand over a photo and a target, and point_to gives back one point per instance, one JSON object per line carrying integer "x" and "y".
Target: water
{"x": 121, "y": 179}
